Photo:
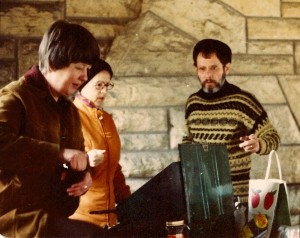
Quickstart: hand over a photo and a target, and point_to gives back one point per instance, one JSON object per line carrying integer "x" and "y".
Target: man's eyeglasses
{"x": 101, "y": 85}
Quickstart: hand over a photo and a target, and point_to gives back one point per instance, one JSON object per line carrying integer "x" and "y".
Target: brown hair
{"x": 65, "y": 43}
{"x": 209, "y": 46}
{"x": 97, "y": 67}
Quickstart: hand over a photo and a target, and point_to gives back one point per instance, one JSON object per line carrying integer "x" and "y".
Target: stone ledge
{"x": 130, "y": 9}
{"x": 262, "y": 47}
{"x": 140, "y": 142}
{"x": 146, "y": 164}
{"x": 290, "y": 9}
{"x": 262, "y": 64}
{"x": 289, "y": 160}
{"x": 273, "y": 29}
{"x": 7, "y": 72}
{"x": 7, "y": 48}
{"x": 291, "y": 88}
{"x": 28, "y": 19}
{"x": 140, "y": 120}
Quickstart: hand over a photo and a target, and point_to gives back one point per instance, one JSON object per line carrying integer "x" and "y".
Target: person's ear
{"x": 227, "y": 68}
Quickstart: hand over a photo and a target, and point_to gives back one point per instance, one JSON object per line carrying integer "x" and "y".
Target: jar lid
{"x": 175, "y": 223}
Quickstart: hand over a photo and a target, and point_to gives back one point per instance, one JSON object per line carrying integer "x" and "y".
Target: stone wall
{"x": 149, "y": 44}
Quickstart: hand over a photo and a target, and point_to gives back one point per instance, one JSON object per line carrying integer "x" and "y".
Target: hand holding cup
{"x": 95, "y": 157}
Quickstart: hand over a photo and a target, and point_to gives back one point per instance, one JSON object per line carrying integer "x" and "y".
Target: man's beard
{"x": 217, "y": 87}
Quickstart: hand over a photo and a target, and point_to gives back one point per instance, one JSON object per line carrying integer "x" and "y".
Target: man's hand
{"x": 250, "y": 143}
{"x": 76, "y": 159}
{"x": 81, "y": 187}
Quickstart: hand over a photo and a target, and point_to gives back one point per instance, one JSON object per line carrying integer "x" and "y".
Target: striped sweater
{"x": 222, "y": 118}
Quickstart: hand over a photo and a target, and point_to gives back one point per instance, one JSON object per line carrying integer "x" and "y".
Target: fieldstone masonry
{"x": 149, "y": 45}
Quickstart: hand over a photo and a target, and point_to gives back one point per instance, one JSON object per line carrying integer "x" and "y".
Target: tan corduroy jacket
{"x": 109, "y": 187}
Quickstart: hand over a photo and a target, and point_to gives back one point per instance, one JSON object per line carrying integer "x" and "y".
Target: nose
{"x": 208, "y": 73}
{"x": 84, "y": 76}
{"x": 104, "y": 89}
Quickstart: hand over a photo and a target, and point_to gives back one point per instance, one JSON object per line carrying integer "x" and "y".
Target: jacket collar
{"x": 35, "y": 78}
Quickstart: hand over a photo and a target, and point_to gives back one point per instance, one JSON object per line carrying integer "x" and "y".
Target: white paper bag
{"x": 268, "y": 199}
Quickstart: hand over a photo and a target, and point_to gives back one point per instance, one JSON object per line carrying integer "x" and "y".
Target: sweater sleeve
{"x": 264, "y": 130}
{"x": 268, "y": 137}
{"x": 122, "y": 191}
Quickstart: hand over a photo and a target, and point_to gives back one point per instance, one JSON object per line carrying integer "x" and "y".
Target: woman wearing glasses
{"x": 99, "y": 131}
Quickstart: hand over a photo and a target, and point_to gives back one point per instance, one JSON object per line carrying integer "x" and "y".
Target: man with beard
{"x": 222, "y": 113}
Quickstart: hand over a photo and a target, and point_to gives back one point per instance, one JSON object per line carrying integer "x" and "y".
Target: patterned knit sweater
{"x": 222, "y": 118}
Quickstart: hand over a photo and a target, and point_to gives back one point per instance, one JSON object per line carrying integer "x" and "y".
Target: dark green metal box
{"x": 208, "y": 190}
{"x": 198, "y": 189}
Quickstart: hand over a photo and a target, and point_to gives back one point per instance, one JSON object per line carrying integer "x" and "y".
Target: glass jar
{"x": 175, "y": 229}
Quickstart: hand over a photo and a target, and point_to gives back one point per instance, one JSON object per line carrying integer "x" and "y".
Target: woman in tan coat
{"x": 43, "y": 168}
{"x": 99, "y": 131}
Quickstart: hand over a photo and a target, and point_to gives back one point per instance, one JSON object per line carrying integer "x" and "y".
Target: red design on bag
{"x": 269, "y": 199}
{"x": 255, "y": 198}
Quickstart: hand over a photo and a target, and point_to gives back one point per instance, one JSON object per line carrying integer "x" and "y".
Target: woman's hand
{"x": 76, "y": 159}
{"x": 81, "y": 187}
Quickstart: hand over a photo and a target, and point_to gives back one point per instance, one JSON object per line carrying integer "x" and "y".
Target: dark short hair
{"x": 65, "y": 43}
{"x": 97, "y": 67}
{"x": 209, "y": 46}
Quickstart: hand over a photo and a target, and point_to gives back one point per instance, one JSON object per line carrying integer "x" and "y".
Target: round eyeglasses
{"x": 101, "y": 85}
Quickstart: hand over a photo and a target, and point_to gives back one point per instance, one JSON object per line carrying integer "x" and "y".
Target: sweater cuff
{"x": 262, "y": 147}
